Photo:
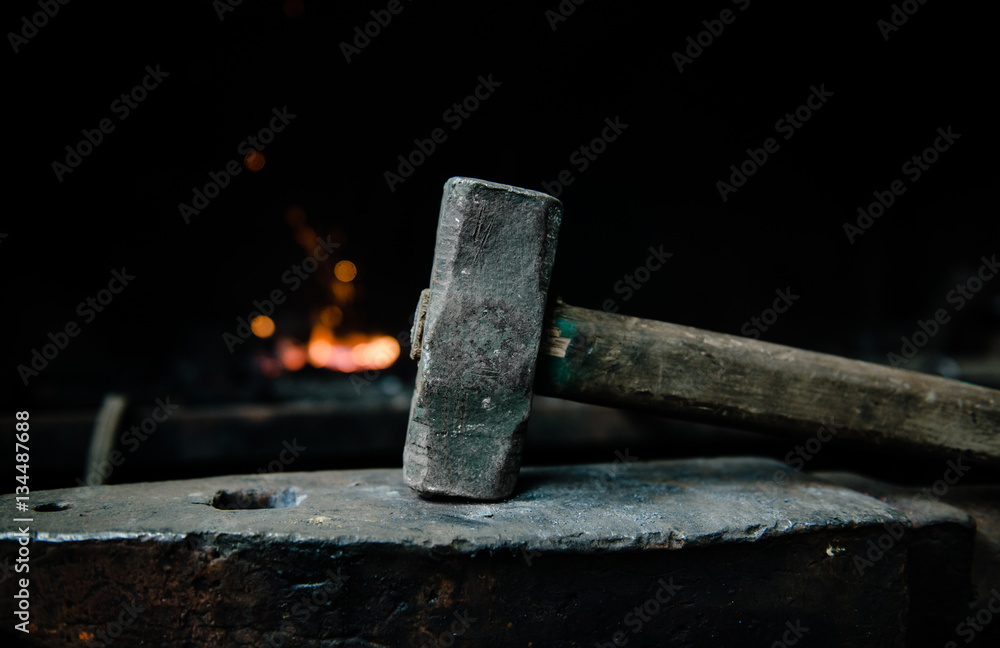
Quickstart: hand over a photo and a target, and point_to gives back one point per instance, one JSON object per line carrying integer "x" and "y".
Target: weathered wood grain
{"x": 688, "y": 373}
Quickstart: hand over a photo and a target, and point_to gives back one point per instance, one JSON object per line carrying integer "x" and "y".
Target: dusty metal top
{"x": 599, "y": 507}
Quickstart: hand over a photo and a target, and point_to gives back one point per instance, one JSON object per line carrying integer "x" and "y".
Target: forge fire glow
{"x": 348, "y": 354}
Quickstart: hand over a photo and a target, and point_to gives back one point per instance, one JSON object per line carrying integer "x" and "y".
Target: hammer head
{"x": 482, "y": 322}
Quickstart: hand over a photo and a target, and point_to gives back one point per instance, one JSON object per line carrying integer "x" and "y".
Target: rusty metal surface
{"x": 583, "y": 508}
{"x": 355, "y": 558}
{"x": 957, "y": 581}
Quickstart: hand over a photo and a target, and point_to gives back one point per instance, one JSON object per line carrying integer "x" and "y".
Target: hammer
{"x": 486, "y": 338}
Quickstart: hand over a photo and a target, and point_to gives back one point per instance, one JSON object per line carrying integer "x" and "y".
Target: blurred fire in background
{"x": 334, "y": 342}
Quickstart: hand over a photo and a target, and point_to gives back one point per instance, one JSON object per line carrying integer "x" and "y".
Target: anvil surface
{"x": 730, "y": 551}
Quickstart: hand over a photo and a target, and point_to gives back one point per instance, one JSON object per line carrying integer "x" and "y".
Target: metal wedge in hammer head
{"x": 476, "y": 335}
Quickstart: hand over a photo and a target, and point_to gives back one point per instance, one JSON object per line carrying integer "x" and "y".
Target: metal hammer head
{"x": 476, "y": 334}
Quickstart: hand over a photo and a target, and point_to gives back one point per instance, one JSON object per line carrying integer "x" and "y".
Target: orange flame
{"x": 355, "y": 352}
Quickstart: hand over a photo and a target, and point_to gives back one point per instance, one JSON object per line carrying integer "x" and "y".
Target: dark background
{"x": 654, "y": 186}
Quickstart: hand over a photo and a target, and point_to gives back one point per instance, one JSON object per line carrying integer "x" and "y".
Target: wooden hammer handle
{"x": 683, "y": 372}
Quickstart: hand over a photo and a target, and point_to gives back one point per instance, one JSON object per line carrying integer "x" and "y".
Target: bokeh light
{"x": 254, "y": 160}
{"x": 293, "y": 8}
{"x": 345, "y": 271}
{"x": 262, "y": 326}
{"x": 344, "y": 292}
{"x": 295, "y": 216}
{"x": 292, "y": 356}
{"x": 331, "y": 316}
{"x": 320, "y": 345}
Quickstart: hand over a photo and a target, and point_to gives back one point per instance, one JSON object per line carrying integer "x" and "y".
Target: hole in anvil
{"x": 49, "y": 507}
{"x": 255, "y": 499}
